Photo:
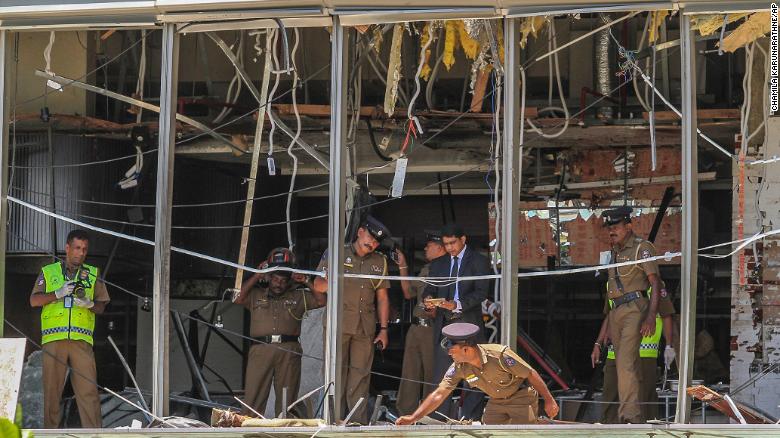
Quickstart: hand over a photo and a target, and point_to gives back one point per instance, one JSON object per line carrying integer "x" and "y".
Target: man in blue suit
{"x": 462, "y": 303}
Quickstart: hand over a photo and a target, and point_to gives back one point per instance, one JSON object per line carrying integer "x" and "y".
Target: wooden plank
{"x": 670, "y": 116}
{"x": 479, "y": 90}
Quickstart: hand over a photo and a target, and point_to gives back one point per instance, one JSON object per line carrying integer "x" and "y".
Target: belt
{"x": 423, "y": 322}
{"x": 626, "y": 298}
{"x": 276, "y": 339}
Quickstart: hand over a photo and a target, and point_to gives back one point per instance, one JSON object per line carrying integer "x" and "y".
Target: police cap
{"x": 376, "y": 228}
{"x": 433, "y": 236}
{"x": 617, "y": 215}
{"x": 281, "y": 257}
{"x": 460, "y": 333}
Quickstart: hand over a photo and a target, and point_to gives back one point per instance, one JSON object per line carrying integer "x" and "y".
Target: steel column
{"x": 169, "y": 72}
{"x": 510, "y": 184}
{"x": 4, "y": 142}
{"x": 690, "y": 230}
{"x": 339, "y": 66}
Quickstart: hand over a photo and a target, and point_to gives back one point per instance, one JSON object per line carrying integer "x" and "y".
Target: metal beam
{"x": 169, "y": 73}
{"x": 339, "y": 65}
{"x": 4, "y": 142}
{"x": 510, "y": 188}
{"x": 690, "y": 231}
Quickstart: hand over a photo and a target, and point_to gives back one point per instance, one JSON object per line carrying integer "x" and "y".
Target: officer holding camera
{"x": 71, "y": 295}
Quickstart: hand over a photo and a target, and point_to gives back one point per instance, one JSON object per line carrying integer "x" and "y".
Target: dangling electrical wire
{"x": 563, "y": 108}
{"x": 423, "y": 50}
{"x": 274, "y": 35}
{"x": 47, "y": 58}
{"x": 139, "y": 86}
{"x": 292, "y": 143}
{"x": 234, "y": 87}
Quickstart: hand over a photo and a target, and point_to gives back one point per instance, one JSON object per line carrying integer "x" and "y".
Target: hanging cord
{"x": 294, "y": 70}
{"x": 563, "y": 108}
{"x": 139, "y": 86}
{"x": 235, "y": 85}
{"x": 410, "y": 110}
{"x": 274, "y": 35}
{"x": 639, "y": 97}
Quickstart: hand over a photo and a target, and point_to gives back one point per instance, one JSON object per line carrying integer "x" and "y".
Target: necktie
{"x": 454, "y": 274}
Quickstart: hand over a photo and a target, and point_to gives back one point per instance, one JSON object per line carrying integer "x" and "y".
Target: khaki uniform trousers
{"x": 277, "y": 363}
{"x": 521, "y": 408}
{"x": 647, "y": 392}
{"x": 624, "y": 324}
{"x": 417, "y": 365}
{"x": 357, "y": 358}
{"x": 58, "y": 355}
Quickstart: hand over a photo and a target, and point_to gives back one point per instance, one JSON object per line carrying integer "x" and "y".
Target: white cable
{"x": 47, "y": 53}
{"x": 294, "y": 140}
{"x": 679, "y": 114}
{"x": 497, "y": 169}
{"x": 410, "y": 110}
{"x": 564, "y": 108}
{"x": 235, "y": 85}
{"x": 745, "y": 110}
{"x": 642, "y": 101}
{"x": 274, "y": 35}
{"x": 139, "y": 86}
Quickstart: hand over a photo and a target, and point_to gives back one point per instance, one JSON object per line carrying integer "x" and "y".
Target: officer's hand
{"x": 381, "y": 339}
{"x": 83, "y": 302}
{"x": 404, "y": 420}
{"x": 595, "y": 356}
{"x": 299, "y": 278}
{"x": 401, "y": 258}
{"x": 648, "y": 327}
{"x": 65, "y": 290}
{"x": 551, "y": 408}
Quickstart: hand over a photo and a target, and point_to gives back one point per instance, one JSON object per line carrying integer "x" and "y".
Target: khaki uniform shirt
{"x": 359, "y": 311}
{"x": 278, "y": 315}
{"x": 101, "y": 294}
{"x": 503, "y": 372}
{"x": 633, "y": 277}
{"x": 418, "y": 288}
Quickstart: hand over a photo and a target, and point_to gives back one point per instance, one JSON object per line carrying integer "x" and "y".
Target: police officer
{"x": 418, "y": 356}
{"x": 632, "y": 315}
{"x": 277, "y": 309}
{"x": 365, "y": 301}
{"x": 648, "y": 359}
{"x": 512, "y": 385}
{"x": 71, "y": 295}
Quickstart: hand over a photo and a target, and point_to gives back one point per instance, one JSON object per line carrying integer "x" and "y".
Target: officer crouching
{"x": 513, "y": 387}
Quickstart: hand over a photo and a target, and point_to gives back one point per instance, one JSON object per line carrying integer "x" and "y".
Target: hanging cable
{"x": 410, "y": 111}
{"x": 139, "y": 86}
{"x": 563, "y": 108}
{"x": 291, "y": 246}
{"x": 274, "y": 35}
{"x": 235, "y": 85}
{"x": 639, "y": 97}
{"x": 47, "y": 57}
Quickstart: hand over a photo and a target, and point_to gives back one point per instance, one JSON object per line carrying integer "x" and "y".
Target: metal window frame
{"x": 169, "y": 70}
